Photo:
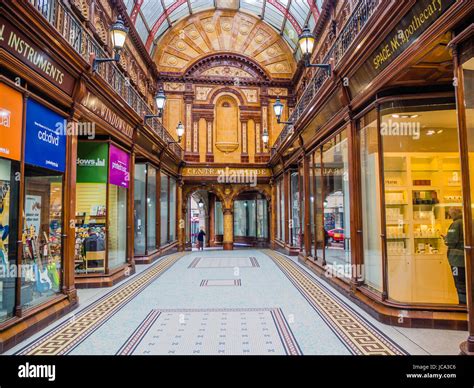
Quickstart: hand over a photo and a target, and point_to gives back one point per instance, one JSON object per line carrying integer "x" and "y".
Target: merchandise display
{"x": 419, "y": 191}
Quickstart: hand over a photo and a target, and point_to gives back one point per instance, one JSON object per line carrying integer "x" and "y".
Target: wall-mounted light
{"x": 200, "y": 204}
{"x": 160, "y": 99}
{"x": 179, "y": 132}
{"x": 278, "y": 109}
{"x": 306, "y": 42}
{"x": 265, "y": 137}
{"x": 118, "y": 34}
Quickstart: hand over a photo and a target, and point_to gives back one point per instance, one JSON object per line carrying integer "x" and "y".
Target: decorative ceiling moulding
{"x": 224, "y": 32}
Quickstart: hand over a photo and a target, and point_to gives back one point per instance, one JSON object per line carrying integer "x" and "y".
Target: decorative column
{"x": 210, "y": 139}
{"x": 212, "y": 220}
{"x": 192, "y": 127}
{"x": 261, "y": 152}
{"x": 286, "y": 208}
{"x": 228, "y": 244}
{"x": 307, "y": 206}
{"x": 273, "y": 217}
{"x": 69, "y": 239}
{"x": 130, "y": 213}
{"x": 244, "y": 156}
{"x": 181, "y": 223}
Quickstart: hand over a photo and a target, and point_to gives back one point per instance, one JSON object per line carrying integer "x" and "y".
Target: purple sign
{"x": 119, "y": 167}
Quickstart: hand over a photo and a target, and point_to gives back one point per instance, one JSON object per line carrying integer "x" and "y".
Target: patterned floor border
{"x": 221, "y": 283}
{"x": 69, "y": 334}
{"x": 356, "y": 333}
{"x": 287, "y": 337}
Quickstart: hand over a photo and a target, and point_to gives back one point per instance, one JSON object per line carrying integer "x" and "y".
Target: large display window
{"x": 45, "y": 157}
{"x": 251, "y": 218}
{"x": 295, "y": 224}
{"x": 370, "y": 194}
{"x": 412, "y": 198}
{"x": 9, "y": 190}
{"x": 164, "y": 198}
{"x": 101, "y": 207}
{"x": 336, "y": 202}
{"x": 167, "y": 209}
{"x": 145, "y": 217}
{"x": 11, "y": 121}
{"x": 467, "y": 68}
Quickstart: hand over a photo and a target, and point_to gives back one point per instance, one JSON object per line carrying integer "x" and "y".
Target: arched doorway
{"x": 203, "y": 209}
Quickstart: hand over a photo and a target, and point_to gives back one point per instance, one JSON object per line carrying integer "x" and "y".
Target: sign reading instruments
{"x": 119, "y": 167}
{"x": 92, "y": 159}
{"x": 11, "y": 117}
{"x": 19, "y": 45}
{"x": 45, "y": 144}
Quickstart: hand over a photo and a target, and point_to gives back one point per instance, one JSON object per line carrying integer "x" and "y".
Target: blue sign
{"x": 45, "y": 140}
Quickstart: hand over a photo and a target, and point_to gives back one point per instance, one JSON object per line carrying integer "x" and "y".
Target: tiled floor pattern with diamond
{"x": 211, "y": 331}
{"x": 214, "y": 302}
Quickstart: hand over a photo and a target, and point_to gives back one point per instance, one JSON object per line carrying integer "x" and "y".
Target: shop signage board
{"x": 11, "y": 120}
{"x": 420, "y": 17}
{"x": 92, "y": 162}
{"x": 119, "y": 167}
{"x": 20, "y": 46}
{"x": 98, "y": 107}
{"x": 45, "y": 143}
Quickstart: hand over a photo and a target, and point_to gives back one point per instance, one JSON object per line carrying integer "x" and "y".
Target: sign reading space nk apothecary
{"x": 119, "y": 167}
{"x": 20, "y": 46}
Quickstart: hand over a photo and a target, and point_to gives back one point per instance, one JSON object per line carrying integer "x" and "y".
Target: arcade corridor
{"x": 254, "y": 302}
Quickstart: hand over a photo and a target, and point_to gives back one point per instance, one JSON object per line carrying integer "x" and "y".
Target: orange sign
{"x": 11, "y": 117}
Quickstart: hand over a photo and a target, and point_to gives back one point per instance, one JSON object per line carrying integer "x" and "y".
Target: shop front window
{"x": 336, "y": 200}
{"x": 467, "y": 63}
{"x": 164, "y": 208}
{"x": 370, "y": 190}
{"x": 140, "y": 209}
{"x": 282, "y": 210}
{"x": 219, "y": 216}
{"x": 9, "y": 189}
{"x": 423, "y": 202}
{"x": 295, "y": 209}
{"x": 151, "y": 210}
{"x": 117, "y": 236}
{"x": 262, "y": 219}
{"x": 172, "y": 208}
{"x": 278, "y": 211}
{"x": 317, "y": 206}
{"x": 245, "y": 218}
{"x": 42, "y": 230}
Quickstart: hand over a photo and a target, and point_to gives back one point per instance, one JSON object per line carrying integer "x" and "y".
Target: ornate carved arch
{"x": 236, "y": 61}
{"x": 265, "y": 191}
{"x": 227, "y": 90}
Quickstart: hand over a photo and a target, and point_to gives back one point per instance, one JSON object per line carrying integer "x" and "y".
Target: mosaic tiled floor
{"x": 224, "y": 262}
{"x": 213, "y": 331}
{"x": 197, "y": 303}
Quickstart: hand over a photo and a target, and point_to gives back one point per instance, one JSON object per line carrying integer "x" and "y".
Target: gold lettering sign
{"x": 221, "y": 171}
{"x": 97, "y": 107}
{"x": 421, "y": 16}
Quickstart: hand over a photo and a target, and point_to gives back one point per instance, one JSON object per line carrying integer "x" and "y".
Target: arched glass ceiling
{"x": 152, "y": 18}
